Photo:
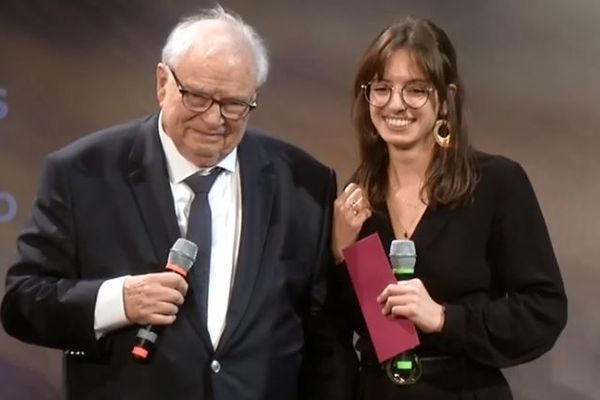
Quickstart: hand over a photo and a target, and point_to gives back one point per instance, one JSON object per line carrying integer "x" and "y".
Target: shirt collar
{"x": 179, "y": 167}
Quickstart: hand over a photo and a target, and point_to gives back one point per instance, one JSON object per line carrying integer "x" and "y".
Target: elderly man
{"x": 90, "y": 264}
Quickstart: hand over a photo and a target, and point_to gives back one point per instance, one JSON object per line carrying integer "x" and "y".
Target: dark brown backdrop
{"x": 530, "y": 69}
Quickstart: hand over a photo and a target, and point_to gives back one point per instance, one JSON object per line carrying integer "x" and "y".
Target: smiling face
{"x": 222, "y": 68}
{"x": 400, "y": 126}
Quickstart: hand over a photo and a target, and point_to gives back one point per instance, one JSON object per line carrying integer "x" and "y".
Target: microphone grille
{"x": 403, "y": 247}
{"x": 403, "y": 254}
{"x": 183, "y": 253}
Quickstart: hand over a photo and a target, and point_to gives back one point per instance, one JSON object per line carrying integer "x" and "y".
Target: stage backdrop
{"x": 530, "y": 70}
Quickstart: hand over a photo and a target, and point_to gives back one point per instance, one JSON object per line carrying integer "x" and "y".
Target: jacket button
{"x": 215, "y": 366}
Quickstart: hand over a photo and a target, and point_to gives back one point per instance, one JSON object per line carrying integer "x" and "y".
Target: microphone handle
{"x": 146, "y": 337}
{"x": 405, "y": 368}
{"x": 145, "y": 342}
{"x": 404, "y": 274}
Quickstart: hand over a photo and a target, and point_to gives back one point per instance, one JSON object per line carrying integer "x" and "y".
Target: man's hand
{"x": 153, "y": 299}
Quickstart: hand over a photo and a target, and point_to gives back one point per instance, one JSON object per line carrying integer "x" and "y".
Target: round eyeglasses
{"x": 413, "y": 95}
{"x": 198, "y": 102}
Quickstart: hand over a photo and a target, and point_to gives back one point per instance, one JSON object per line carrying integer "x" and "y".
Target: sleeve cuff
{"x": 455, "y": 327}
{"x": 109, "y": 313}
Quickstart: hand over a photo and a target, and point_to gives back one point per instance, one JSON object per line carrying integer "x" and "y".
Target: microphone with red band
{"x": 181, "y": 258}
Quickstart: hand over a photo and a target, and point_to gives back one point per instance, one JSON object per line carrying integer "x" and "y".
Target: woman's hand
{"x": 350, "y": 210}
{"x": 410, "y": 299}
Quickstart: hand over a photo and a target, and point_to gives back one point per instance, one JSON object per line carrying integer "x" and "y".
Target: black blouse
{"x": 490, "y": 263}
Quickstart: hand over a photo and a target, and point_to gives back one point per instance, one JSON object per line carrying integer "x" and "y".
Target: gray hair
{"x": 181, "y": 38}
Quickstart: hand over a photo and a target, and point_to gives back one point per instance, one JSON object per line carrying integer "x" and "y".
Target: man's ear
{"x": 162, "y": 77}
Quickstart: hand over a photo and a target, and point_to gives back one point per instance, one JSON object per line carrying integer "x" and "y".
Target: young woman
{"x": 488, "y": 292}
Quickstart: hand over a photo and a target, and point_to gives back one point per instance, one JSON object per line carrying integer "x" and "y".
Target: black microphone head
{"x": 183, "y": 253}
{"x": 403, "y": 256}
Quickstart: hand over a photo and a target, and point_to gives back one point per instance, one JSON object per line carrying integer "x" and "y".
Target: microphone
{"x": 403, "y": 258}
{"x": 405, "y": 368}
{"x": 181, "y": 258}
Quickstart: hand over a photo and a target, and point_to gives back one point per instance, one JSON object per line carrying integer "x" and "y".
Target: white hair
{"x": 182, "y": 38}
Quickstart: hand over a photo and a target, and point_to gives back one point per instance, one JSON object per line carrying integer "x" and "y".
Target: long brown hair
{"x": 452, "y": 174}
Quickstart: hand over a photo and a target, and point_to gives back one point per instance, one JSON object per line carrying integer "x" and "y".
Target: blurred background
{"x": 530, "y": 69}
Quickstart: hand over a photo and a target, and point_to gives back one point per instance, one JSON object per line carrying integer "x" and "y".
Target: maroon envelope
{"x": 370, "y": 272}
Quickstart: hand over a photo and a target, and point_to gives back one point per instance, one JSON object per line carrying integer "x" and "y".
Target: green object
{"x": 403, "y": 271}
{"x": 402, "y": 364}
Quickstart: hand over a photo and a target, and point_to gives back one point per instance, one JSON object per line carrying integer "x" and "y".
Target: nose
{"x": 213, "y": 116}
{"x": 396, "y": 102}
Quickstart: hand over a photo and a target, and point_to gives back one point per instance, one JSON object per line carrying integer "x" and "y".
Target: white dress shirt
{"x": 226, "y": 209}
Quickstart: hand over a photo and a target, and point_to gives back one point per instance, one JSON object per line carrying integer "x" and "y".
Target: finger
{"x": 174, "y": 281}
{"x": 386, "y": 293}
{"x": 171, "y": 296}
{"x": 391, "y": 302}
{"x": 350, "y": 188}
{"x": 359, "y": 205}
{"x": 165, "y": 308}
{"x": 413, "y": 287}
{"x": 403, "y": 311}
{"x": 356, "y": 196}
{"x": 391, "y": 289}
{"x": 340, "y": 201}
{"x": 352, "y": 210}
{"x": 411, "y": 282}
{"x": 178, "y": 298}
{"x": 354, "y": 199}
{"x": 182, "y": 286}
{"x": 382, "y": 296}
{"x": 160, "y": 319}
{"x": 151, "y": 313}
{"x": 363, "y": 215}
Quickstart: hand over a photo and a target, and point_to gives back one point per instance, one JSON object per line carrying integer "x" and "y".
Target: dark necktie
{"x": 200, "y": 232}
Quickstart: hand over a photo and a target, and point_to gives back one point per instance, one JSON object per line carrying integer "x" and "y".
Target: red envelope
{"x": 370, "y": 272}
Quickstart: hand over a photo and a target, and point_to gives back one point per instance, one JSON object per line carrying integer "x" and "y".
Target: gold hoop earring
{"x": 442, "y": 133}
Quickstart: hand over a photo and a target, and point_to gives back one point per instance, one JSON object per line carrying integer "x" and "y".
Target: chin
{"x": 205, "y": 162}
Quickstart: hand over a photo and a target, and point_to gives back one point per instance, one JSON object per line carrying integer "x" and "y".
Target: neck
{"x": 408, "y": 167}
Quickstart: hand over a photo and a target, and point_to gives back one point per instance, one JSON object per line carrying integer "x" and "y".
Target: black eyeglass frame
{"x": 249, "y": 106}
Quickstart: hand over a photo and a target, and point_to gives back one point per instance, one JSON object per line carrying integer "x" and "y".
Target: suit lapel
{"x": 149, "y": 181}
{"x": 258, "y": 190}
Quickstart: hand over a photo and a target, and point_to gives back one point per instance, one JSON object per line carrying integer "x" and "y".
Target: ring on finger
{"x": 354, "y": 207}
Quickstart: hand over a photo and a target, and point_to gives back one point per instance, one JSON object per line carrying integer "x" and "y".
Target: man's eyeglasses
{"x": 199, "y": 102}
{"x": 414, "y": 94}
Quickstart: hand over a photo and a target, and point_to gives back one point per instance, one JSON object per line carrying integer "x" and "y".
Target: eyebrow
{"x": 416, "y": 80}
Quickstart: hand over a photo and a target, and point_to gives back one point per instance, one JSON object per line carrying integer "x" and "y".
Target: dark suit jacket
{"x": 492, "y": 265}
{"x": 104, "y": 209}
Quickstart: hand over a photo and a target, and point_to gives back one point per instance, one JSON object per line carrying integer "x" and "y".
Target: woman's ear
{"x": 452, "y": 88}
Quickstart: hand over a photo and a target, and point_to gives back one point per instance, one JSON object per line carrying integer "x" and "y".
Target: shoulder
{"x": 104, "y": 146}
{"x": 501, "y": 170}
{"x": 282, "y": 152}
{"x": 504, "y": 179}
